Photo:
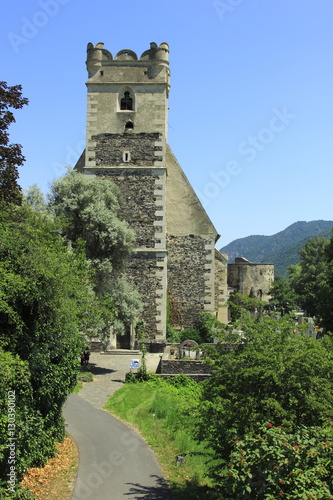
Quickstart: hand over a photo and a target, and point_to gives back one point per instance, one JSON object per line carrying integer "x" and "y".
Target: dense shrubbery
{"x": 270, "y": 463}
{"x": 206, "y": 328}
{"x": 273, "y": 376}
{"x": 45, "y": 293}
{"x": 19, "y": 494}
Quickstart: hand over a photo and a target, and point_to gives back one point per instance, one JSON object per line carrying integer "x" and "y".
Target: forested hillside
{"x": 280, "y": 249}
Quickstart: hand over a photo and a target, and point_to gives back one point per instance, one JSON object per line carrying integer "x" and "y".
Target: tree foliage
{"x": 90, "y": 207}
{"x": 10, "y": 154}
{"x": 272, "y": 376}
{"x": 283, "y": 297}
{"x": 309, "y": 277}
{"x": 34, "y": 198}
{"x": 44, "y": 299}
{"x": 271, "y": 463}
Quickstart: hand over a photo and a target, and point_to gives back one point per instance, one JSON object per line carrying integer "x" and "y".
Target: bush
{"x": 191, "y": 334}
{"x": 172, "y": 335}
{"x": 208, "y": 326}
{"x": 181, "y": 381}
{"x": 20, "y": 419}
{"x": 20, "y": 494}
{"x": 271, "y": 464}
{"x": 45, "y": 293}
{"x": 139, "y": 376}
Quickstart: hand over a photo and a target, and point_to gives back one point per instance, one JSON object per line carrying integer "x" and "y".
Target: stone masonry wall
{"x": 138, "y": 188}
{"x": 253, "y": 280}
{"x": 142, "y": 269}
{"x": 186, "y": 278}
{"x": 221, "y": 287}
{"x": 177, "y": 366}
{"x": 109, "y": 149}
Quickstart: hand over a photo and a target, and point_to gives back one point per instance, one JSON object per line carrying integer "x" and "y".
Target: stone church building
{"x": 175, "y": 264}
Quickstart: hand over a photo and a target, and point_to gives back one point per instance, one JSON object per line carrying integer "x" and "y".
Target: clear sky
{"x": 251, "y": 108}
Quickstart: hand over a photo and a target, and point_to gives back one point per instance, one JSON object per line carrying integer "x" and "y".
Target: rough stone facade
{"x": 221, "y": 269}
{"x": 186, "y": 278}
{"x": 145, "y": 270}
{"x": 141, "y": 203}
{"x": 142, "y": 149}
{"x": 174, "y": 260}
{"x": 253, "y": 280}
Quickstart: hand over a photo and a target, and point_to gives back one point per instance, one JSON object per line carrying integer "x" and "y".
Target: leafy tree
{"x": 326, "y": 291}
{"x": 127, "y": 303}
{"x": 240, "y": 302}
{"x": 45, "y": 298}
{"x": 35, "y": 199}
{"x": 272, "y": 376}
{"x": 10, "y": 154}
{"x": 309, "y": 277}
{"x": 284, "y": 298}
{"x": 208, "y": 326}
{"x": 90, "y": 206}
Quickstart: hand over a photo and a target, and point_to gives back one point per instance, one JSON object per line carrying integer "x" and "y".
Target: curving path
{"x": 114, "y": 461}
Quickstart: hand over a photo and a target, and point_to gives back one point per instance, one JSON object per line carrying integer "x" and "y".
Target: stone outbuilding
{"x": 175, "y": 264}
{"x": 253, "y": 280}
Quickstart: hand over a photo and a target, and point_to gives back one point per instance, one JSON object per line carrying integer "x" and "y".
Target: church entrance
{"x": 125, "y": 341}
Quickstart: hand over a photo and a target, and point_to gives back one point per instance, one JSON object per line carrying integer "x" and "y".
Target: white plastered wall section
{"x": 104, "y": 115}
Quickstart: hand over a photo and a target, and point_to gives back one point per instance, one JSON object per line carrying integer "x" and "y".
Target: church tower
{"x": 173, "y": 263}
{"x": 126, "y": 94}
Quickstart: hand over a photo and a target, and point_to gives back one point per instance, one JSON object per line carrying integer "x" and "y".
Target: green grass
{"x": 82, "y": 378}
{"x": 165, "y": 415}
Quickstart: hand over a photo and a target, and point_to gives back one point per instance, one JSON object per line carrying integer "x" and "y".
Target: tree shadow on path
{"x": 99, "y": 370}
{"x": 160, "y": 491}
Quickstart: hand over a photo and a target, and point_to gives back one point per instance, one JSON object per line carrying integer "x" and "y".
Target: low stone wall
{"x": 186, "y": 367}
{"x": 156, "y": 347}
{"x": 197, "y": 377}
{"x": 96, "y": 346}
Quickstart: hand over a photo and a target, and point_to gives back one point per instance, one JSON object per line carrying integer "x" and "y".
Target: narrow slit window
{"x": 126, "y": 102}
{"x": 126, "y": 156}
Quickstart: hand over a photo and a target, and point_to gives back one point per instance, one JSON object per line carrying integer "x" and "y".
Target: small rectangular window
{"x": 126, "y": 156}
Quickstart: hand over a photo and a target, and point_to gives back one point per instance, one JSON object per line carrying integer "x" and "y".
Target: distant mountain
{"x": 280, "y": 249}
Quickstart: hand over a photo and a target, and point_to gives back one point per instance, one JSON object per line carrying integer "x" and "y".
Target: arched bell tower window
{"x": 126, "y": 102}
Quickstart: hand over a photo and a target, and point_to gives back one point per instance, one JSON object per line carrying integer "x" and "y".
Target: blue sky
{"x": 251, "y": 108}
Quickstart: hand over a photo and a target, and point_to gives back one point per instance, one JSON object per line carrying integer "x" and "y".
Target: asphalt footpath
{"x": 114, "y": 461}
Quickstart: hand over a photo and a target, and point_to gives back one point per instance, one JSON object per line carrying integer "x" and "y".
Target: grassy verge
{"x": 83, "y": 377}
{"x": 54, "y": 481}
{"x": 165, "y": 415}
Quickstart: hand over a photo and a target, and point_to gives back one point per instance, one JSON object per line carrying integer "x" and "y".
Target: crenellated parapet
{"x": 98, "y": 56}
